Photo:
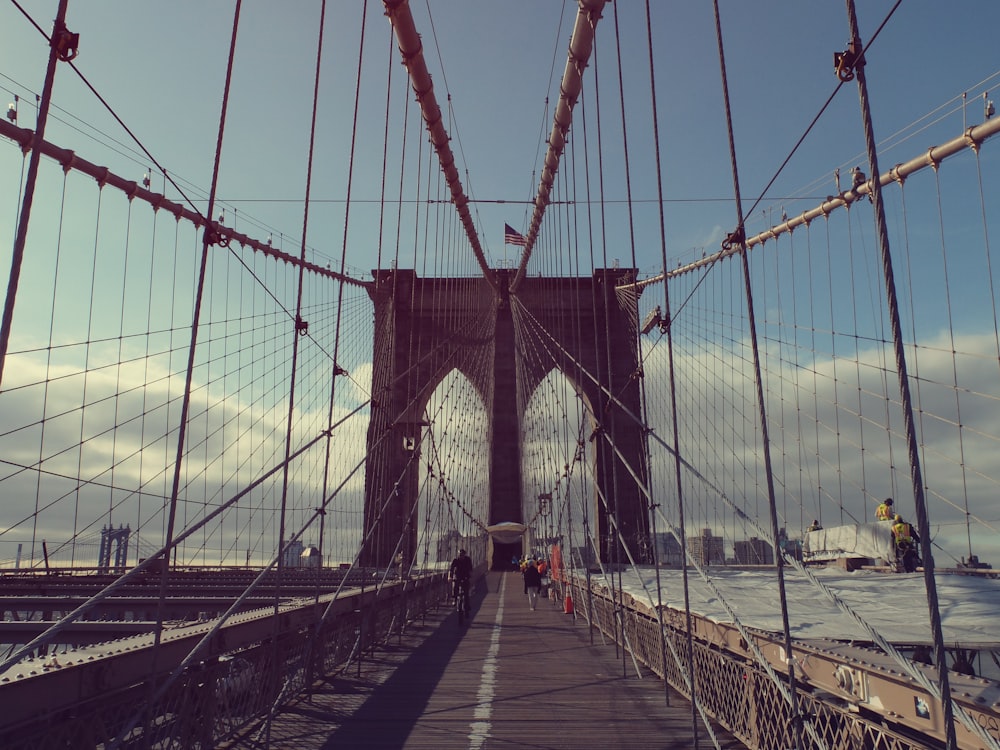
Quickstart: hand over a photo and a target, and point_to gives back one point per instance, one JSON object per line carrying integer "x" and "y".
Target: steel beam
{"x": 580, "y": 47}
{"x": 69, "y": 160}
{"x": 412, "y": 52}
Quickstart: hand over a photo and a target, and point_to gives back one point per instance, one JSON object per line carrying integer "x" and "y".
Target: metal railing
{"x": 738, "y": 694}
{"x": 255, "y": 666}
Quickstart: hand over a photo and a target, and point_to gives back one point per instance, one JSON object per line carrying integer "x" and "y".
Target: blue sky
{"x": 161, "y": 68}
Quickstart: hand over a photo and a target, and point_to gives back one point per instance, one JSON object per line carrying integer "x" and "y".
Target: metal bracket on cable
{"x": 338, "y": 370}
{"x": 302, "y": 328}
{"x": 846, "y": 62}
{"x": 214, "y": 237}
{"x": 737, "y": 237}
{"x": 65, "y": 42}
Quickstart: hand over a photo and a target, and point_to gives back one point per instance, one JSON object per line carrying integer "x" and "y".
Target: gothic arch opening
{"x": 557, "y": 467}
{"x": 453, "y": 487}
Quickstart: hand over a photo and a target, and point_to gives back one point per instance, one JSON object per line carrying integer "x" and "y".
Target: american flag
{"x": 511, "y": 237}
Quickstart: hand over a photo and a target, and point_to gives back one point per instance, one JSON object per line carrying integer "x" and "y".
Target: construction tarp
{"x": 507, "y": 532}
{"x": 504, "y": 533}
{"x": 870, "y": 540}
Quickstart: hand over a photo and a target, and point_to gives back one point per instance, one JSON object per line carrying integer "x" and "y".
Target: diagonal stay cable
{"x": 59, "y": 626}
{"x": 831, "y": 595}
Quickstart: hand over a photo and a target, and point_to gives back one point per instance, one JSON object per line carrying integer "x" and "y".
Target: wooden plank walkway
{"x": 512, "y": 678}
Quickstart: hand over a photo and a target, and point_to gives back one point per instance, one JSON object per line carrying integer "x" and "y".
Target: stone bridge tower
{"x": 425, "y": 328}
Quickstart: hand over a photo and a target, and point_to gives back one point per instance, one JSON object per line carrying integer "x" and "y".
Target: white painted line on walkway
{"x": 479, "y": 730}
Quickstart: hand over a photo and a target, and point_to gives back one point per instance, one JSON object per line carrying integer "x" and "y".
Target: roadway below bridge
{"x": 513, "y": 677}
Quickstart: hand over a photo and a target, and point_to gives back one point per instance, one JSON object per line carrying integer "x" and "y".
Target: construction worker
{"x": 904, "y": 540}
{"x": 884, "y": 512}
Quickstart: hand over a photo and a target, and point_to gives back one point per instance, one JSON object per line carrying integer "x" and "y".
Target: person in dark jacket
{"x": 460, "y": 573}
{"x": 532, "y": 583}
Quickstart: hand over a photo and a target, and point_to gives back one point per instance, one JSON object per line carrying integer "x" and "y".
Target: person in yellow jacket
{"x": 884, "y": 512}
{"x": 904, "y": 540}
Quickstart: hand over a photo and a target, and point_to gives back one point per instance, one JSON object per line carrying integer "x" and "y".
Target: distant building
{"x": 293, "y": 554}
{"x": 754, "y": 551}
{"x": 707, "y": 549}
{"x": 310, "y": 558}
{"x": 668, "y": 549}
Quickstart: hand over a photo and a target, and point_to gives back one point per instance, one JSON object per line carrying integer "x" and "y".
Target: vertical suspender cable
{"x": 765, "y": 441}
{"x": 343, "y": 250}
{"x": 48, "y": 378}
{"x": 668, "y": 320}
{"x": 633, "y": 296}
{"x": 208, "y": 238}
{"x": 643, "y": 468}
{"x": 904, "y": 384}
{"x": 604, "y": 411}
{"x": 297, "y": 331}
{"x": 587, "y": 536}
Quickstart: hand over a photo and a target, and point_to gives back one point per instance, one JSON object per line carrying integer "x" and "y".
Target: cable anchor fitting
{"x": 65, "y": 42}
{"x": 302, "y": 326}
{"x": 214, "y": 237}
{"x": 736, "y": 237}
{"x": 846, "y": 62}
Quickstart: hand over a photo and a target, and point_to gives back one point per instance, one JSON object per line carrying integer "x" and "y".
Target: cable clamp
{"x": 302, "y": 327}
{"x": 736, "y": 237}
{"x": 214, "y": 237}
{"x": 65, "y": 43}
{"x": 846, "y": 62}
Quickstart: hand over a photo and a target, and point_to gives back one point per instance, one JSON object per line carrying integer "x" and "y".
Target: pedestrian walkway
{"x": 512, "y": 678}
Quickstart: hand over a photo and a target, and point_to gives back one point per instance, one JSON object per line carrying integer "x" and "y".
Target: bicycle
{"x": 462, "y": 603}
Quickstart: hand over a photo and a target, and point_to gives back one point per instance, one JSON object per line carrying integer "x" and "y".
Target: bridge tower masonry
{"x": 425, "y": 328}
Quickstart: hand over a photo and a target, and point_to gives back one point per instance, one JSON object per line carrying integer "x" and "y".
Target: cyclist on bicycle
{"x": 460, "y": 572}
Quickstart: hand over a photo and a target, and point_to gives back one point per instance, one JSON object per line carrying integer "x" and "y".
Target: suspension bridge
{"x": 243, "y": 436}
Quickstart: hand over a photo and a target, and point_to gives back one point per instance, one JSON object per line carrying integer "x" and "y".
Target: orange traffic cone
{"x": 568, "y": 606}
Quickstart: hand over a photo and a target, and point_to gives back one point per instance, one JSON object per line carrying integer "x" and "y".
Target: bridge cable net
{"x": 606, "y": 504}
{"x": 98, "y": 388}
{"x": 96, "y": 384}
{"x": 575, "y": 486}
{"x": 829, "y": 379}
{"x": 548, "y": 272}
{"x": 730, "y": 421}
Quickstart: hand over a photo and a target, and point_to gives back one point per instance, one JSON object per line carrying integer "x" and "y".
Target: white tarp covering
{"x": 872, "y": 540}
{"x": 504, "y": 533}
{"x": 507, "y": 532}
{"x": 894, "y": 604}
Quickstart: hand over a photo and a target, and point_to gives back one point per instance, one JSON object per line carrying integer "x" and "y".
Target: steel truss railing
{"x": 245, "y": 678}
{"x": 734, "y": 690}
